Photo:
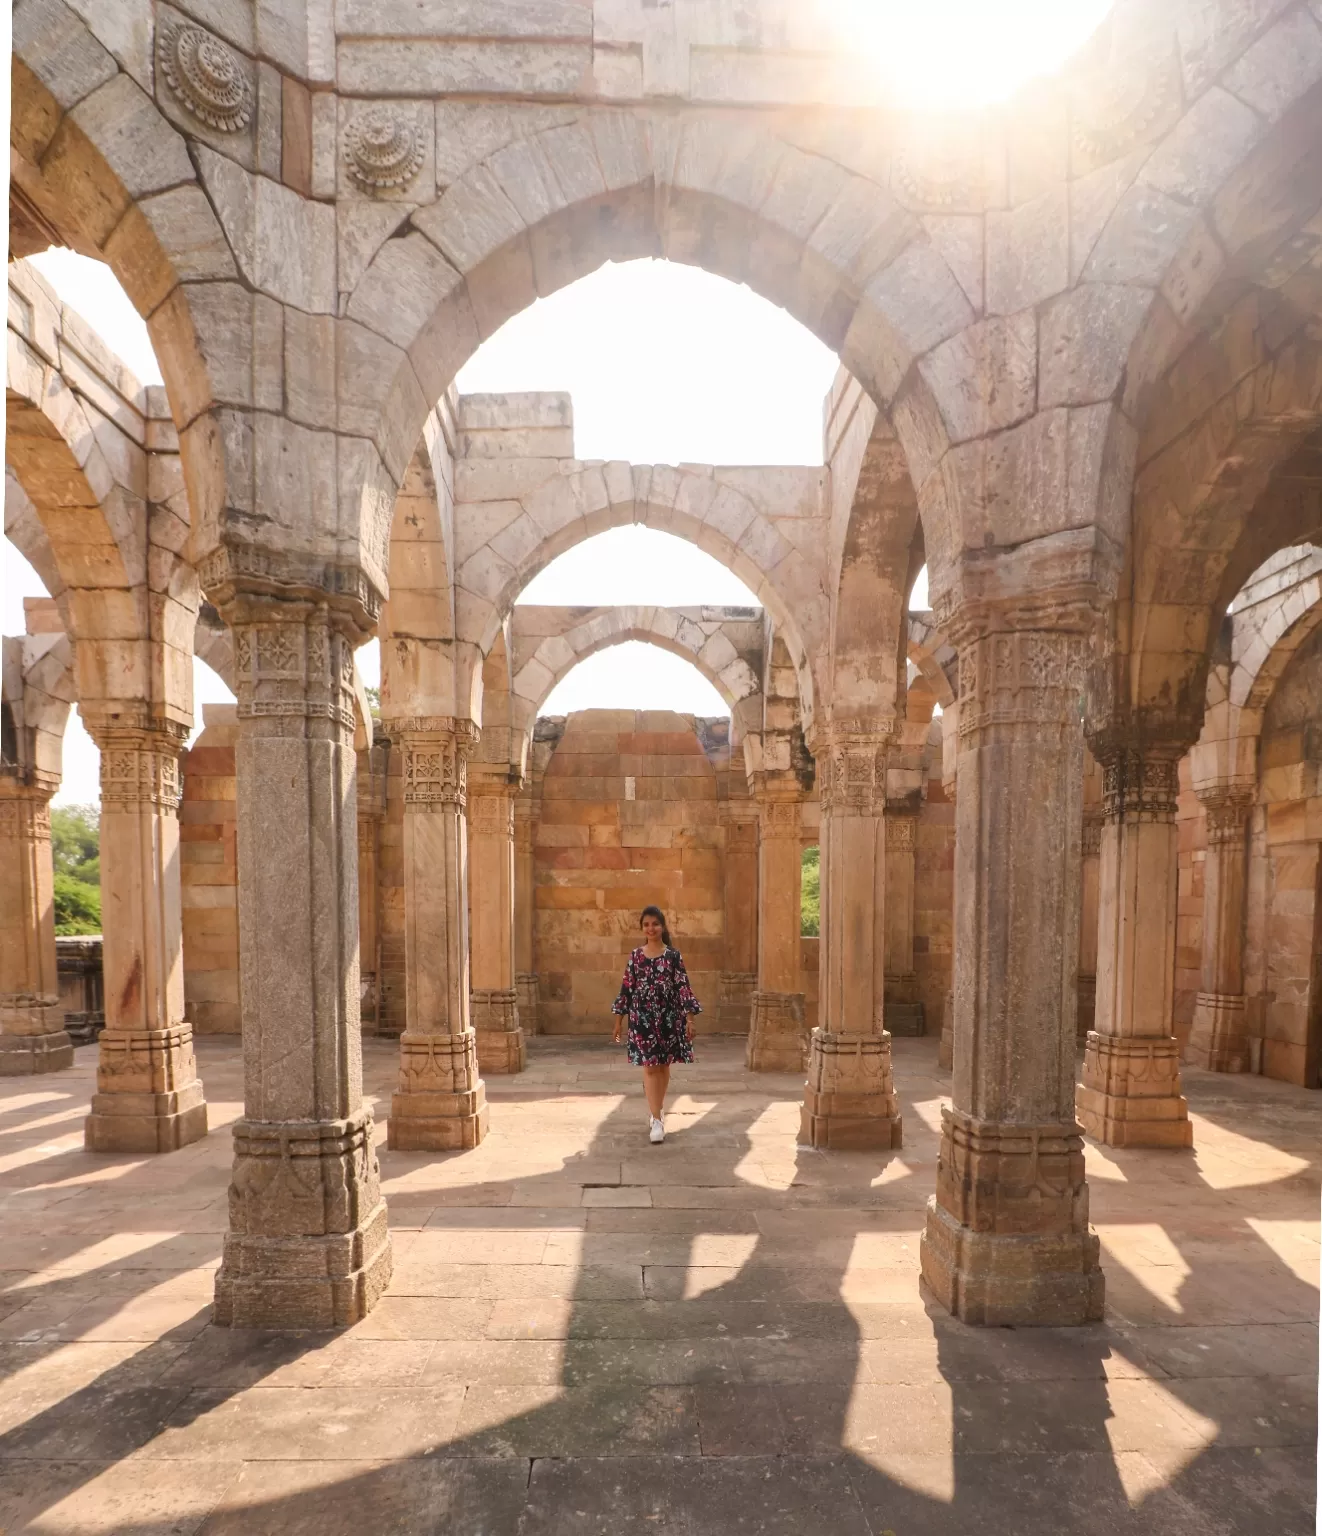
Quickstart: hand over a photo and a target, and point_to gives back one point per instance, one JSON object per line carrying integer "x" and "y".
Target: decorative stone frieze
{"x": 206, "y": 75}
{"x": 1130, "y": 1089}
{"x": 382, "y": 148}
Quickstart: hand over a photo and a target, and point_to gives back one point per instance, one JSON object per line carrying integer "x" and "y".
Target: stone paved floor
{"x": 726, "y": 1334}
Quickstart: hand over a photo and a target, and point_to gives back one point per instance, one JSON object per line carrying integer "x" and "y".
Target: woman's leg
{"x": 655, "y": 1081}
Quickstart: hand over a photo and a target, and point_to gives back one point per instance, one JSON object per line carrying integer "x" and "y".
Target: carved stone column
{"x": 491, "y": 798}
{"x": 849, "y": 1099}
{"x": 1007, "y": 1237}
{"x": 525, "y": 951}
{"x": 904, "y": 1014}
{"x": 1219, "y": 1041}
{"x": 148, "y": 1097}
{"x": 1088, "y": 919}
{"x": 945, "y": 1054}
{"x": 739, "y": 975}
{"x": 1130, "y": 1093}
{"x": 441, "y": 1103}
{"x": 776, "y": 1035}
{"x": 32, "y": 1033}
{"x": 308, "y": 1245}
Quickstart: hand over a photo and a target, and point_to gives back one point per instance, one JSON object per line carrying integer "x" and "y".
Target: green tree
{"x": 811, "y": 893}
{"x": 75, "y": 835}
{"x": 76, "y": 854}
{"x": 77, "y": 906}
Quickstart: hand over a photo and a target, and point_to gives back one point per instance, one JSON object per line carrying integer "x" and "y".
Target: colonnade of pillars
{"x": 1007, "y": 1233}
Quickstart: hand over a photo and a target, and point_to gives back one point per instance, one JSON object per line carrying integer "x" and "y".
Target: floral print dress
{"x": 656, "y": 997}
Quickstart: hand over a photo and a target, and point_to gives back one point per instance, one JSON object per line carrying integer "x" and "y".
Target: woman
{"x": 656, "y": 996}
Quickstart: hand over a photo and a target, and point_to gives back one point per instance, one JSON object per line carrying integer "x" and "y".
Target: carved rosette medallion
{"x": 780, "y": 818}
{"x": 1139, "y": 786}
{"x": 939, "y": 179}
{"x": 1116, "y": 110}
{"x": 206, "y": 75}
{"x": 382, "y": 148}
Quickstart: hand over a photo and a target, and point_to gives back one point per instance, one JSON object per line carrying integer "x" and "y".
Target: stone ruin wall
{"x": 599, "y": 857}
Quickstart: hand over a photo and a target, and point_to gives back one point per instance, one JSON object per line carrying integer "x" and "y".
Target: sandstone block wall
{"x": 628, "y": 816}
{"x": 208, "y": 876}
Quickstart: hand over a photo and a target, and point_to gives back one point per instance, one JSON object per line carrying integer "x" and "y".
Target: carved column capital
{"x": 1228, "y": 808}
{"x": 1020, "y": 677}
{"x": 292, "y": 660}
{"x": 436, "y": 751}
{"x": 139, "y": 762}
{"x": 1139, "y": 783}
{"x": 851, "y": 767}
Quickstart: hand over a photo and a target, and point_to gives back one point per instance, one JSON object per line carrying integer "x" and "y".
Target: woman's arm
{"x": 620, "y": 1007}
{"x": 687, "y": 1002}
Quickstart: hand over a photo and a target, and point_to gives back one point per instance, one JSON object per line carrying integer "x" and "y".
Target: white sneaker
{"x": 658, "y": 1131}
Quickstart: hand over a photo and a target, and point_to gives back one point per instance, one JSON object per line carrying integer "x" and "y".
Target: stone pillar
{"x": 1219, "y": 1040}
{"x": 904, "y": 1014}
{"x": 441, "y": 1104}
{"x": 525, "y": 948}
{"x": 371, "y": 815}
{"x": 1130, "y": 1093}
{"x": 1007, "y": 1239}
{"x": 495, "y": 1007}
{"x": 849, "y": 1099}
{"x": 308, "y": 1245}
{"x": 945, "y": 1054}
{"x": 32, "y": 1033}
{"x": 739, "y": 975}
{"x": 1088, "y": 919}
{"x": 148, "y": 1097}
{"x": 776, "y": 1036}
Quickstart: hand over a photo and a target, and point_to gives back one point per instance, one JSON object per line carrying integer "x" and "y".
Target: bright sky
{"x": 665, "y": 364}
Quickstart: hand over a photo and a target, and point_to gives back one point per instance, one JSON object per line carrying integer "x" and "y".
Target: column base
{"x": 527, "y": 990}
{"x": 32, "y": 1036}
{"x": 309, "y": 1244}
{"x": 735, "y": 1015}
{"x": 849, "y": 1099}
{"x": 777, "y": 1039}
{"x": 1219, "y": 1040}
{"x": 441, "y": 1105}
{"x": 1007, "y": 1239}
{"x": 1130, "y": 1093}
{"x": 500, "y": 1044}
{"x": 945, "y": 1051}
{"x": 149, "y": 1095}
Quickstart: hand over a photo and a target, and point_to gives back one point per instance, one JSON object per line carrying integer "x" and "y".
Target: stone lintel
{"x": 1007, "y": 1239}
{"x": 1130, "y": 1093}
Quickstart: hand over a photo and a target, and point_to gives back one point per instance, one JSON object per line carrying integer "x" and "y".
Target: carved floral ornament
{"x": 382, "y": 148}
{"x": 1139, "y": 786}
{"x": 206, "y": 75}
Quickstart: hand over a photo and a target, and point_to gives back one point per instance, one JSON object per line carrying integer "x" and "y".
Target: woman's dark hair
{"x": 660, "y": 916}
